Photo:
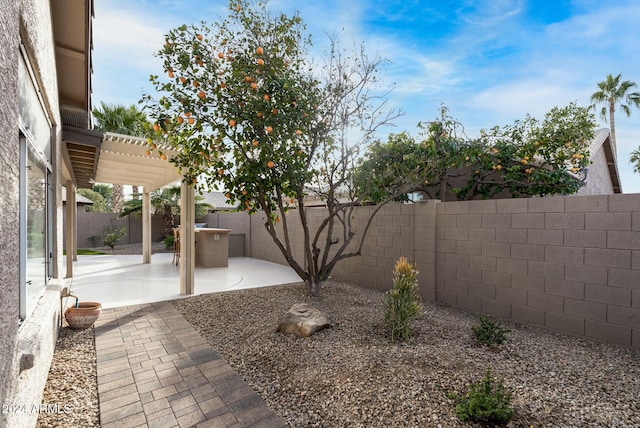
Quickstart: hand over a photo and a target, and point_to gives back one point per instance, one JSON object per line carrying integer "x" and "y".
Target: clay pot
{"x": 84, "y": 315}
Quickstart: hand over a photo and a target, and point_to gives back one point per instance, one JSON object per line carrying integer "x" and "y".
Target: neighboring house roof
{"x": 80, "y": 200}
{"x": 602, "y": 140}
{"x": 219, "y": 201}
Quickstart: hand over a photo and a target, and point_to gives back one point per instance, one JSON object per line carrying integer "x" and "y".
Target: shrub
{"x": 112, "y": 234}
{"x": 94, "y": 239}
{"x": 168, "y": 242}
{"x": 485, "y": 402}
{"x": 402, "y": 302}
{"x": 489, "y": 332}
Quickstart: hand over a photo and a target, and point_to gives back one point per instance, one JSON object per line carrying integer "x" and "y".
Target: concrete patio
{"x": 153, "y": 368}
{"x": 123, "y": 280}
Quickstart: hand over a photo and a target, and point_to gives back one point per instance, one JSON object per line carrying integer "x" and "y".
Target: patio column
{"x": 146, "y": 226}
{"x": 70, "y": 227}
{"x": 187, "y": 239}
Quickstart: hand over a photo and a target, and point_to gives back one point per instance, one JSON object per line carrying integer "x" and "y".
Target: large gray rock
{"x": 304, "y": 320}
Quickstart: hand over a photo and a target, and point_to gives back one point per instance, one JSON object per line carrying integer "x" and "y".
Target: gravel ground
{"x": 353, "y": 376}
{"x": 72, "y": 381}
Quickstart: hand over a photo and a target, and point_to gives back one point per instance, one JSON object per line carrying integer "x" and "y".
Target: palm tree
{"x": 122, "y": 120}
{"x": 165, "y": 201}
{"x": 635, "y": 159}
{"x": 612, "y": 91}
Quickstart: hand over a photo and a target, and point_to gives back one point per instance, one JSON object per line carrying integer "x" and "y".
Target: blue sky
{"x": 489, "y": 61}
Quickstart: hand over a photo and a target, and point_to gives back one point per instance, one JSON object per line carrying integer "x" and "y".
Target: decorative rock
{"x": 304, "y": 320}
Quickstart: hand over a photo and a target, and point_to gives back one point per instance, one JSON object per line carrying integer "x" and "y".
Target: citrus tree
{"x": 246, "y": 112}
{"x": 528, "y": 158}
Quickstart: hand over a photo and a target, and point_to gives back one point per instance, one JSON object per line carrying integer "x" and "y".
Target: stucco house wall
{"x": 602, "y": 177}
{"x": 26, "y": 348}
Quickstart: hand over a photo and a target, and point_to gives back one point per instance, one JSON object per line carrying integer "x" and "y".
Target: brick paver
{"x": 155, "y": 370}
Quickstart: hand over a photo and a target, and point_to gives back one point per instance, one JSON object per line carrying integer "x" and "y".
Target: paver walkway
{"x": 155, "y": 370}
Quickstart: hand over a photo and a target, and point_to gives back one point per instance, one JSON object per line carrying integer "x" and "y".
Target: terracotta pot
{"x": 84, "y": 315}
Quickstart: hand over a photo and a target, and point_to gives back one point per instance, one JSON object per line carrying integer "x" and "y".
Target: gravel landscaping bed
{"x": 351, "y": 375}
{"x": 72, "y": 382}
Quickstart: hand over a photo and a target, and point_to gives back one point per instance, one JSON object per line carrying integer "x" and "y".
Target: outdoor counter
{"x": 212, "y": 247}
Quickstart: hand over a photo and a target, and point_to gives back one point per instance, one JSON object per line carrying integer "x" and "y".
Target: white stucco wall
{"x": 598, "y": 178}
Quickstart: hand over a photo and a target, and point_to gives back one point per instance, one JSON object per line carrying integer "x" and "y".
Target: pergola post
{"x": 146, "y": 226}
{"x": 187, "y": 239}
{"x": 70, "y": 244}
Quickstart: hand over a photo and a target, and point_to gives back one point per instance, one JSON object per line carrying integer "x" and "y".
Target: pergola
{"x": 121, "y": 159}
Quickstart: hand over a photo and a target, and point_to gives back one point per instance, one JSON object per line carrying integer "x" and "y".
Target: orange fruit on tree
{"x": 232, "y": 123}
{"x": 220, "y": 171}
{"x": 259, "y": 50}
{"x": 266, "y": 97}
{"x": 260, "y": 61}
{"x": 183, "y": 79}
{"x": 255, "y": 143}
{"x": 170, "y": 73}
{"x": 223, "y": 85}
{"x": 148, "y": 153}
{"x": 180, "y": 119}
{"x": 201, "y": 94}
{"x": 238, "y": 8}
{"x": 228, "y": 195}
{"x": 270, "y": 164}
{"x": 188, "y": 113}
{"x": 153, "y": 146}
{"x": 244, "y": 192}
{"x": 298, "y": 132}
{"x": 248, "y": 79}
{"x": 199, "y": 36}
{"x": 259, "y": 114}
{"x": 274, "y": 111}
{"x": 254, "y": 85}
{"x": 220, "y": 55}
{"x": 269, "y": 130}
{"x": 156, "y": 127}
{"x": 191, "y": 121}
{"x": 196, "y": 83}
{"x": 163, "y": 156}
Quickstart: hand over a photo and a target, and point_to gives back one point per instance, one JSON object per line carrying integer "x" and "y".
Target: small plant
{"x": 402, "y": 302}
{"x": 168, "y": 242}
{"x": 94, "y": 239}
{"x": 489, "y": 332}
{"x": 112, "y": 234}
{"x": 486, "y": 402}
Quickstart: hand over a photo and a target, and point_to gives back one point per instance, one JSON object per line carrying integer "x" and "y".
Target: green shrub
{"x": 168, "y": 242}
{"x": 489, "y": 332}
{"x": 486, "y": 402}
{"x": 402, "y": 302}
{"x": 94, "y": 239}
{"x": 112, "y": 234}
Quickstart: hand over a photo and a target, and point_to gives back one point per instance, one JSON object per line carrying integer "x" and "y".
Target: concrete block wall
{"x": 397, "y": 230}
{"x": 92, "y": 224}
{"x": 570, "y": 264}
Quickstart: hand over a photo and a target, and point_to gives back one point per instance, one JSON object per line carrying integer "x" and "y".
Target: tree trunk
{"x": 117, "y": 198}
{"x": 314, "y": 286}
{"x": 136, "y": 192}
{"x": 612, "y": 108}
{"x": 167, "y": 221}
